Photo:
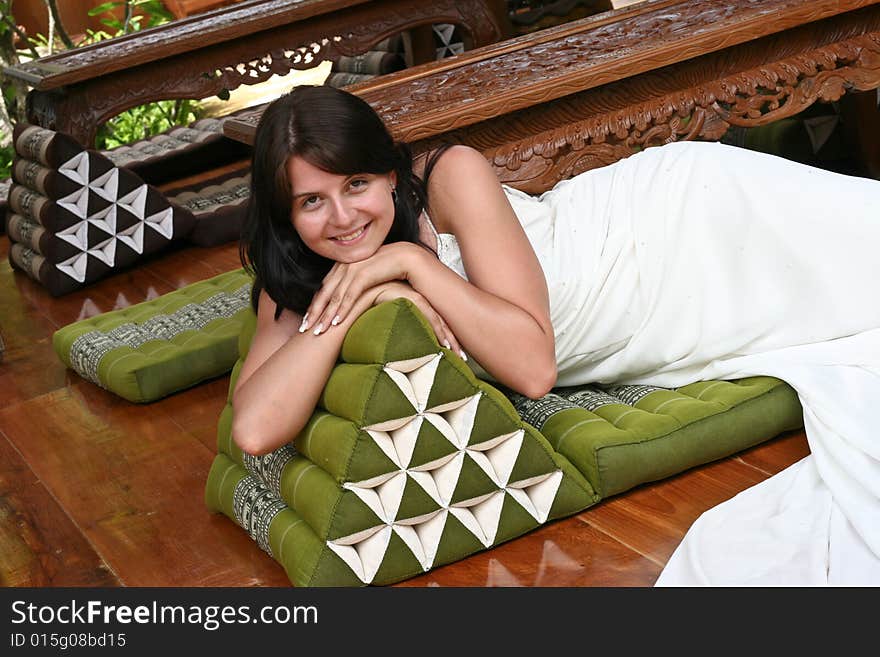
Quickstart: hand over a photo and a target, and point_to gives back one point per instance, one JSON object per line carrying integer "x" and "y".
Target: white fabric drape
{"x": 697, "y": 261}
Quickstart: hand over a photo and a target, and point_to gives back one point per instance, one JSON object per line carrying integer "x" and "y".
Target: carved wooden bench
{"x": 548, "y": 105}
{"x": 217, "y": 51}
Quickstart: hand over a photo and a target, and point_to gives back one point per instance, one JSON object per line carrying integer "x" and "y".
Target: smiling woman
{"x": 343, "y": 218}
{"x": 337, "y": 224}
{"x": 682, "y": 263}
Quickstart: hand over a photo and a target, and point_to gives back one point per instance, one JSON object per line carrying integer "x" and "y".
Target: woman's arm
{"x": 281, "y": 379}
{"x": 286, "y": 370}
{"x": 502, "y": 315}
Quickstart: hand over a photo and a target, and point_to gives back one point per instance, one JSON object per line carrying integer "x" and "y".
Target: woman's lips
{"x": 352, "y": 237}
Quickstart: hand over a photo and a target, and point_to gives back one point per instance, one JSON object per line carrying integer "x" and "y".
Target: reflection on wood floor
{"x": 97, "y": 491}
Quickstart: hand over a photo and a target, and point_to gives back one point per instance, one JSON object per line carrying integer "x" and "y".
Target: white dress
{"x": 696, "y": 261}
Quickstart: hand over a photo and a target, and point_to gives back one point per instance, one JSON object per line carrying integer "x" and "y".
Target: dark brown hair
{"x": 335, "y": 131}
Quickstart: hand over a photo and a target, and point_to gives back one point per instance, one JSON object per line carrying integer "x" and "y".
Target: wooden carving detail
{"x": 473, "y": 16}
{"x": 754, "y": 97}
{"x": 779, "y": 91}
{"x": 79, "y": 108}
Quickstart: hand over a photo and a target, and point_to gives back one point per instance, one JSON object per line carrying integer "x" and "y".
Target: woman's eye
{"x": 310, "y": 201}
{"x": 358, "y": 183}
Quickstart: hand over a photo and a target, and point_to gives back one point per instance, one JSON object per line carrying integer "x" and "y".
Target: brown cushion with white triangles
{"x": 86, "y": 217}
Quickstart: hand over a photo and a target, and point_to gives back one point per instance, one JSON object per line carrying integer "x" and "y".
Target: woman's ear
{"x": 392, "y": 179}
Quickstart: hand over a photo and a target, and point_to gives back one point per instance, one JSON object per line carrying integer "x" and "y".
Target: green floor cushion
{"x": 410, "y": 462}
{"x": 157, "y": 347}
{"x": 622, "y": 436}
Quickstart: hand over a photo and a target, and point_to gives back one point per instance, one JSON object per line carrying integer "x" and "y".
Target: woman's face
{"x": 343, "y": 218}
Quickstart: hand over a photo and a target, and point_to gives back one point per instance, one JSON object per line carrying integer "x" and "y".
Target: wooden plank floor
{"x": 96, "y": 491}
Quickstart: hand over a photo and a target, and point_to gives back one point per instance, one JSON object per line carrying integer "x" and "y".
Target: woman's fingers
{"x": 313, "y": 314}
{"x": 323, "y": 312}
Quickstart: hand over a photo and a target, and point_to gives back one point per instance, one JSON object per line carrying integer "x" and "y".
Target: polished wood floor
{"x": 97, "y": 491}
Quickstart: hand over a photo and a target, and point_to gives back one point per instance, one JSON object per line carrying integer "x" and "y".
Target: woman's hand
{"x": 397, "y": 290}
{"x": 345, "y": 283}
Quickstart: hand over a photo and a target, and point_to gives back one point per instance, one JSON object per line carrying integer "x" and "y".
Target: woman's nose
{"x": 344, "y": 214}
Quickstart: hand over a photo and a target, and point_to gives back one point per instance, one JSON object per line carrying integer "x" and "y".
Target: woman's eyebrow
{"x": 346, "y": 180}
{"x": 295, "y": 195}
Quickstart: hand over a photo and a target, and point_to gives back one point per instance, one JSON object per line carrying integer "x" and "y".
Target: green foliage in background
{"x": 139, "y": 122}
{"x": 150, "y": 119}
{"x": 6, "y": 154}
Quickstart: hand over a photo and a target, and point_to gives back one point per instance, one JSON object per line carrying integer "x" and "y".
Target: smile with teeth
{"x": 348, "y": 237}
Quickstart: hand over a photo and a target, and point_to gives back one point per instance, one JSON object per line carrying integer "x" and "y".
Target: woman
{"x": 685, "y": 262}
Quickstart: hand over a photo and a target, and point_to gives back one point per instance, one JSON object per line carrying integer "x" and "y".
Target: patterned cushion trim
{"x": 341, "y": 79}
{"x": 621, "y": 436}
{"x": 154, "y": 348}
{"x": 45, "y": 180}
{"x": 231, "y": 192}
{"x": 88, "y": 350}
{"x": 45, "y": 146}
{"x": 374, "y": 62}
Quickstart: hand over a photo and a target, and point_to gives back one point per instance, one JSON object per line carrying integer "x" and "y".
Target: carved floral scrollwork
{"x": 754, "y": 97}
{"x": 276, "y": 62}
{"x": 784, "y": 89}
{"x": 472, "y": 15}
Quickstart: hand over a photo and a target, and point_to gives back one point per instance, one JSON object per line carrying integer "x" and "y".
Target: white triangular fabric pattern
{"x": 133, "y": 237}
{"x": 365, "y": 557}
{"x": 488, "y": 514}
{"x": 105, "y": 251}
{"x": 437, "y": 421}
{"x": 461, "y": 419}
{"x": 402, "y": 381}
{"x": 384, "y": 442}
{"x": 409, "y": 536}
{"x": 404, "y": 440}
{"x": 105, "y": 220}
{"x": 481, "y": 515}
{"x": 135, "y": 201}
{"x": 77, "y": 168}
{"x": 162, "y": 222}
{"x": 502, "y": 457}
{"x": 540, "y": 494}
{"x": 77, "y": 234}
{"x": 107, "y": 185}
{"x": 466, "y": 518}
{"x": 75, "y": 267}
{"x": 410, "y": 364}
{"x": 446, "y": 477}
{"x": 422, "y": 380}
{"x": 429, "y": 484}
{"x": 77, "y": 202}
{"x": 429, "y": 533}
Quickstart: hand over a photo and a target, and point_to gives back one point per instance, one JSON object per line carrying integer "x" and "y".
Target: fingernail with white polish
{"x": 336, "y": 320}
{"x": 319, "y": 329}
{"x": 446, "y": 344}
{"x": 463, "y": 355}
{"x": 303, "y": 326}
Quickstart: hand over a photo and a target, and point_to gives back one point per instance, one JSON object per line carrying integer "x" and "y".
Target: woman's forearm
{"x": 273, "y": 405}
{"x": 511, "y": 344}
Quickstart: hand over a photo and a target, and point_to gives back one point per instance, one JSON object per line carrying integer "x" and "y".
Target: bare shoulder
{"x": 458, "y": 162}
{"x": 462, "y": 177}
